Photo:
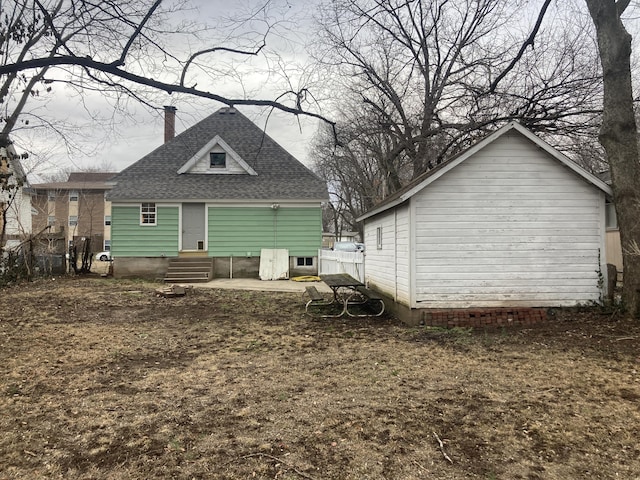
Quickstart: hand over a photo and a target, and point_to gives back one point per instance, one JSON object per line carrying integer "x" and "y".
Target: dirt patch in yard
{"x": 102, "y": 379}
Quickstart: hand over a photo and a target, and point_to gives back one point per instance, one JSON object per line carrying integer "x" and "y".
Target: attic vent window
{"x": 217, "y": 160}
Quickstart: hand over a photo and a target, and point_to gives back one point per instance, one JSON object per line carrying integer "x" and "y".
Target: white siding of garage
{"x": 387, "y": 267}
{"x": 509, "y": 226}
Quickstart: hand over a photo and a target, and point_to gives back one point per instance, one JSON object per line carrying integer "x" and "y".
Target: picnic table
{"x": 340, "y": 283}
{"x": 347, "y": 292}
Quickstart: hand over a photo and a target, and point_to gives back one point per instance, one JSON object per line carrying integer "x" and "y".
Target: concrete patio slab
{"x": 259, "y": 285}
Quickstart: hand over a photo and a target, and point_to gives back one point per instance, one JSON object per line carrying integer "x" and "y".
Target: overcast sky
{"x": 124, "y": 140}
{"x": 107, "y": 139}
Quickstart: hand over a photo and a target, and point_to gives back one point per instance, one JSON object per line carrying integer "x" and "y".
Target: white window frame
{"x": 74, "y": 196}
{"x": 379, "y": 238}
{"x": 107, "y": 220}
{"x": 51, "y": 220}
{"x": 217, "y": 167}
{"x": 305, "y": 261}
{"x": 150, "y": 210}
{"x": 73, "y": 223}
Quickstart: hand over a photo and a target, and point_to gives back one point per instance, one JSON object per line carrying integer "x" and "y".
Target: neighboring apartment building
{"x": 75, "y": 209}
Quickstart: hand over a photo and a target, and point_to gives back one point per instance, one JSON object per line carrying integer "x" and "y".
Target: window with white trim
{"x": 73, "y": 220}
{"x": 107, "y": 245}
{"x": 379, "y": 238}
{"x": 51, "y": 220}
{"x": 107, "y": 219}
{"x": 148, "y": 214}
{"x": 217, "y": 160}
{"x": 73, "y": 196}
{"x": 304, "y": 261}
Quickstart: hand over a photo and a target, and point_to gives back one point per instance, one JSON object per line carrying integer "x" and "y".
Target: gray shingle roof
{"x": 279, "y": 175}
{"x": 90, "y": 176}
{"x": 71, "y": 186}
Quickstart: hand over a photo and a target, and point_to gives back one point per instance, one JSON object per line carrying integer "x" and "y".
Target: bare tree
{"x": 125, "y": 51}
{"x": 421, "y": 80}
{"x": 112, "y": 45}
{"x": 619, "y": 136}
{"x": 618, "y": 131}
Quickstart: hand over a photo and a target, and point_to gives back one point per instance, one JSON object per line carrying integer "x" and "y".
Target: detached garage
{"x": 510, "y": 222}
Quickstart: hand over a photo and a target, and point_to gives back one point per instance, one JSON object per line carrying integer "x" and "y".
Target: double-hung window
{"x": 148, "y": 214}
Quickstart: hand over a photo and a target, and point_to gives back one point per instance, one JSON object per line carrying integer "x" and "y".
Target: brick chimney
{"x": 169, "y": 122}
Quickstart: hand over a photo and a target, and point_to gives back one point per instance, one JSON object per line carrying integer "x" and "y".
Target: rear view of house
{"x": 510, "y": 222}
{"x": 222, "y": 191}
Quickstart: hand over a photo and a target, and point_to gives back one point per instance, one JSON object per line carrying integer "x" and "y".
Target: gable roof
{"x": 219, "y": 142}
{"x": 432, "y": 175}
{"x": 278, "y": 175}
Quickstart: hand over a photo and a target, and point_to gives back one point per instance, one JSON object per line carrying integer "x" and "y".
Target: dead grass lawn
{"x": 103, "y": 380}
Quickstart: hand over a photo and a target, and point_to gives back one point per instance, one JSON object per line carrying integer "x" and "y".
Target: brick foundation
{"x": 483, "y": 317}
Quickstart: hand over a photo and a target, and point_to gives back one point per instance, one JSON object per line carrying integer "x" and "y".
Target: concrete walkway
{"x": 260, "y": 285}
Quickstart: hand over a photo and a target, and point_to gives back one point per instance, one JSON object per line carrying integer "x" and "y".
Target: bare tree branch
{"x": 529, "y": 41}
{"x": 113, "y": 69}
{"x": 218, "y": 49}
{"x": 621, "y": 6}
{"x": 136, "y": 33}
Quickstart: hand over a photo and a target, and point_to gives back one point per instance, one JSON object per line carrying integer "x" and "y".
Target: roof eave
{"x": 219, "y": 200}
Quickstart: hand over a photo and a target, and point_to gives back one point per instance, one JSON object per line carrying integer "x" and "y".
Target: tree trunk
{"x": 619, "y": 136}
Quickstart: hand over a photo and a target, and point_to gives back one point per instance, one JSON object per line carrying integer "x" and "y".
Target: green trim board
{"x": 130, "y": 239}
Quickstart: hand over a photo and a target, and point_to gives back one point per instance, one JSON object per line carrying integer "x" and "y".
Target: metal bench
{"x": 314, "y": 294}
{"x": 316, "y": 299}
{"x": 367, "y": 298}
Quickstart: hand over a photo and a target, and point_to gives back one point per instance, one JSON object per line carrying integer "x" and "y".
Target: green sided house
{"x": 222, "y": 199}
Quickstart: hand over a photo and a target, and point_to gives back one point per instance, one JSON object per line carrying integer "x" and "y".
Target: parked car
{"x": 345, "y": 247}
{"x": 103, "y": 256}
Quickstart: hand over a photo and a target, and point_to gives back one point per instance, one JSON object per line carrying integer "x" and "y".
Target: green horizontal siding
{"x": 130, "y": 239}
{"x": 232, "y": 231}
{"x": 242, "y": 231}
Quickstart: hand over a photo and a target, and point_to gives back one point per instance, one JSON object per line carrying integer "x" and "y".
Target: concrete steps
{"x": 189, "y": 270}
